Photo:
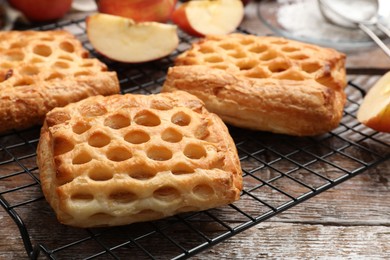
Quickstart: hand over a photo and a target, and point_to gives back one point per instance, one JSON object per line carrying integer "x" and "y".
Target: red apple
{"x": 245, "y": 2}
{"x": 42, "y": 10}
{"x": 124, "y": 40}
{"x": 139, "y": 10}
{"x": 200, "y": 18}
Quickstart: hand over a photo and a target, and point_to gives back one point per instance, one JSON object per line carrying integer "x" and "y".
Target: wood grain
{"x": 11, "y": 244}
{"x": 351, "y": 220}
{"x": 296, "y": 241}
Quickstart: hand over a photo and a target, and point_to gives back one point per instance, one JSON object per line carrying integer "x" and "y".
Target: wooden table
{"x": 351, "y": 220}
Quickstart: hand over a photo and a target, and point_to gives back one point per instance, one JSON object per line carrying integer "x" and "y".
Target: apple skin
{"x": 180, "y": 19}
{"x": 139, "y": 10}
{"x": 380, "y": 122}
{"x": 209, "y": 15}
{"x": 42, "y": 10}
{"x": 245, "y": 2}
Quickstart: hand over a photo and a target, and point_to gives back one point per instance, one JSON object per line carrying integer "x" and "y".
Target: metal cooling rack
{"x": 279, "y": 172}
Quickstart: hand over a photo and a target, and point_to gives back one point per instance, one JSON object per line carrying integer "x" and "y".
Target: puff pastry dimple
{"x": 264, "y": 83}
{"x": 116, "y": 160}
{"x": 40, "y": 70}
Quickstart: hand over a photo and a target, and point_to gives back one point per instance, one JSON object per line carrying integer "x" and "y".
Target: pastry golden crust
{"x": 40, "y": 70}
{"x": 121, "y": 159}
{"x": 264, "y": 83}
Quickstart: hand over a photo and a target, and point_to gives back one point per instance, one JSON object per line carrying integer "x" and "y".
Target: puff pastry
{"x": 40, "y": 70}
{"x": 116, "y": 160}
{"x": 264, "y": 83}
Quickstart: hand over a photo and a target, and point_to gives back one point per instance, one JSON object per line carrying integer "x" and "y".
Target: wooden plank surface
{"x": 350, "y": 220}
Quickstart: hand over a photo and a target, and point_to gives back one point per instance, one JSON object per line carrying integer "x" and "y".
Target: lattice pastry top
{"x": 40, "y": 70}
{"x": 128, "y": 158}
{"x": 264, "y": 83}
{"x": 266, "y": 57}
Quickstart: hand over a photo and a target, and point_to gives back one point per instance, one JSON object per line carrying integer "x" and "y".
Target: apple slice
{"x": 124, "y": 40}
{"x": 202, "y": 18}
{"x": 374, "y": 112}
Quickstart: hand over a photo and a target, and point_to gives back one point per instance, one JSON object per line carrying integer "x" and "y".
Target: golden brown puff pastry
{"x": 40, "y": 70}
{"x": 264, "y": 83}
{"x": 116, "y": 160}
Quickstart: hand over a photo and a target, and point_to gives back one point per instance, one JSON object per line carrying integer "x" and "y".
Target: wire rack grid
{"x": 279, "y": 172}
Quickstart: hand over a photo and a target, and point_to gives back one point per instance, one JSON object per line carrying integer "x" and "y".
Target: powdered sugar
{"x": 356, "y": 9}
{"x": 303, "y": 18}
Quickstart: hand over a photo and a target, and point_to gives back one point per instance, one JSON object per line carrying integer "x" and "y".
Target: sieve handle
{"x": 375, "y": 38}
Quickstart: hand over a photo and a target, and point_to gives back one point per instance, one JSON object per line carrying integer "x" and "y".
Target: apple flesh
{"x": 374, "y": 111}
{"x": 42, "y": 10}
{"x": 139, "y": 10}
{"x": 200, "y": 18}
{"x": 124, "y": 40}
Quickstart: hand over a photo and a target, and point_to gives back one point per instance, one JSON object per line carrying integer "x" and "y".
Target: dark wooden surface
{"x": 351, "y": 220}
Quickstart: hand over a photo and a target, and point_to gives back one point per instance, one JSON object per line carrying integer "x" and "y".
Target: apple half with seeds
{"x": 200, "y": 18}
{"x": 374, "y": 111}
{"x": 122, "y": 39}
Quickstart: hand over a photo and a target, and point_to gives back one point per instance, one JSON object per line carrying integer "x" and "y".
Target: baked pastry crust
{"x": 40, "y": 70}
{"x": 264, "y": 83}
{"x": 116, "y": 160}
